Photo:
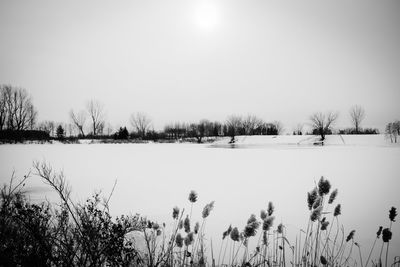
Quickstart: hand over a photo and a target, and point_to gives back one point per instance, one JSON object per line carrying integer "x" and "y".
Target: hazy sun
{"x": 206, "y": 15}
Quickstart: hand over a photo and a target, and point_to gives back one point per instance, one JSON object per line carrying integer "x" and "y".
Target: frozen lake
{"x": 153, "y": 178}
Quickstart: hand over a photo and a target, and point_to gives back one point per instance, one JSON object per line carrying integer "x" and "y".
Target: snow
{"x": 153, "y": 178}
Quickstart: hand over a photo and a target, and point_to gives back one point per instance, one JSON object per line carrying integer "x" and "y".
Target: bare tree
{"x": 108, "y": 128}
{"x": 78, "y": 121}
{"x": 279, "y": 127}
{"x": 96, "y": 114}
{"x": 16, "y": 109}
{"x": 3, "y": 108}
{"x": 141, "y": 123}
{"x": 357, "y": 115}
{"x": 234, "y": 123}
{"x": 322, "y": 123}
{"x": 298, "y": 130}
{"x": 250, "y": 124}
{"x": 48, "y": 127}
{"x": 392, "y": 131}
{"x": 204, "y": 128}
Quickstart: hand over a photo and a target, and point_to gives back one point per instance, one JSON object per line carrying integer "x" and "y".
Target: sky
{"x": 193, "y": 59}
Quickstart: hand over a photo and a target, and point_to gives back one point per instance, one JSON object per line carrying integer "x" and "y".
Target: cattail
{"x": 175, "y": 213}
{"x": 378, "y": 234}
{"x": 386, "y": 235}
{"x": 350, "y": 236}
{"x": 317, "y": 202}
{"x": 311, "y": 197}
{"x": 156, "y": 226}
{"x": 323, "y": 186}
{"x": 338, "y": 210}
{"x": 235, "y": 234}
{"x": 227, "y": 232}
{"x": 249, "y": 231}
{"x": 224, "y": 235}
{"x": 252, "y": 219}
{"x": 189, "y": 239}
{"x": 192, "y": 196}
{"x": 186, "y": 224}
{"x": 196, "y": 228}
{"x": 323, "y": 260}
{"x": 332, "y": 196}
{"x": 179, "y": 240}
{"x": 392, "y": 214}
{"x": 271, "y": 208}
{"x": 251, "y": 228}
{"x": 279, "y": 229}
{"x": 207, "y": 209}
{"x": 267, "y": 223}
{"x": 324, "y": 225}
{"x": 229, "y": 229}
{"x": 159, "y": 232}
{"x": 180, "y": 224}
{"x": 316, "y": 213}
{"x": 263, "y": 214}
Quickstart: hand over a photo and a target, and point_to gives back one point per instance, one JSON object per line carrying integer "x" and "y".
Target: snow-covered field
{"x": 153, "y": 178}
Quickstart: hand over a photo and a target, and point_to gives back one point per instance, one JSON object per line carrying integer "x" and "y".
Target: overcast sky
{"x": 187, "y": 60}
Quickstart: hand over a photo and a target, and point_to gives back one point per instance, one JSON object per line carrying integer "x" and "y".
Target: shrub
{"x": 72, "y": 235}
{"x": 20, "y": 136}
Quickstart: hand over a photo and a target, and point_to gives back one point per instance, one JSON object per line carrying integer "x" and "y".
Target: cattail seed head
{"x": 155, "y": 226}
{"x": 317, "y": 202}
{"x": 271, "y": 208}
{"x": 229, "y": 229}
{"x": 316, "y": 214}
{"x": 186, "y": 224}
{"x": 235, "y": 234}
{"x": 338, "y": 210}
{"x": 323, "y": 260}
{"x": 378, "y": 234}
{"x": 323, "y": 186}
{"x": 252, "y": 219}
{"x": 251, "y": 227}
{"x": 224, "y": 235}
{"x": 350, "y": 236}
{"x": 279, "y": 229}
{"x": 311, "y": 197}
{"x": 386, "y": 235}
{"x": 175, "y": 213}
{"x": 392, "y": 214}
{"x": 180, "y": 224}
{"x": 192, "y": 196}
{"x": 332, "y": 196}
{"x": 263, "y": 214}
{"x": 179, "y": 240}
{"x": 207, "y": 209}
{"x": 267, "y": 223}
{"x": 324, "y": 225}
{"x": 196, "y": 228}
{"x": 189, "y": 239}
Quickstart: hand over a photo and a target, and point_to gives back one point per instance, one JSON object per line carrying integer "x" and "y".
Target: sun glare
{"x": 206, "y": 16}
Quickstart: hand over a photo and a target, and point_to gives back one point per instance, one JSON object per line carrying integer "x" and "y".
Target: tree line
{"x": 18, "y": 120}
